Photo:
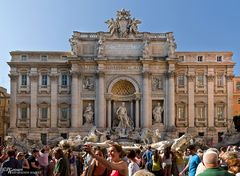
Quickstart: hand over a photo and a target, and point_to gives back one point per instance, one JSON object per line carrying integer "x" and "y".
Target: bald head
{"x": 210, "y": 159}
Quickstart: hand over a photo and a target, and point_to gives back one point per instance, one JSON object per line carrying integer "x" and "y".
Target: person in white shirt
{"x": 133, "y": 166}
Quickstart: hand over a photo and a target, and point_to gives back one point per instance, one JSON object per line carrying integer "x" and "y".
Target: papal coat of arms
{"x": 123, "y": 25}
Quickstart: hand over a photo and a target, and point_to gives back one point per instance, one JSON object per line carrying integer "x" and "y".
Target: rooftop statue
{"x": 123, "y": 25}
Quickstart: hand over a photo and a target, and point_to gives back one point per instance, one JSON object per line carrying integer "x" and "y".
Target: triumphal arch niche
{"x": 126, "y": 75}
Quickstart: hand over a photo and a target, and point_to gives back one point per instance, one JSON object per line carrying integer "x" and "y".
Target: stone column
{"x": 13, "y": 102}
{"x": 75, "y": 120}
{"x": 171, "y": 99}
{"x": 100, "y": 119}
{"x": 229, "y": 100}
{"x": 109, "y": 113}
{"x": 145, "y": 115}
{"x": 131, "y": 112}
{"x": 54, "y": 97}
{"x": 191, "y": 115}
{"x": 34, "y": 110}
{"x": 210, "y": 100}
{"x": 137, "y": 113}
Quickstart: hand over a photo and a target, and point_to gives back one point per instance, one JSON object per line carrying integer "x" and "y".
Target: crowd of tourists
{"x": 114, "y": 161}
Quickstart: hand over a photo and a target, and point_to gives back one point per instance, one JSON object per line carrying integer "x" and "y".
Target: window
{"x": 23, "y": 80}
{"x": 44, "y": 138}
{"x": 181, "y": 112}
{"x": 200, "y": 58}
{"x": 181, "y": 81}
{"x": 44, "y": 58}
{"x": 24, "y": 113}
{"x": 201, "y": 134}
{"x": 220, "y": 136}
{"x": 64, "y": 57}
{"x": 64, "y": 113}
{"x": 238, "y": 101}
{"x": 220, "y": 112}
{"x": 44, "y": 113}
{"x": 180, "y": 134}
{"x": 200, "y": 112}
{"x": 200, "y": 80}
{"x": 238, "y": 85}
{"x": 219, "y": 58}
{"x": 64, "y": 81}
{"x": 23, "y": 57}
{"x": 181, "y": 58}
{"x": 220, "y": 80}
{"x": 44, "y": 80}
{"x": 64, "y": 135}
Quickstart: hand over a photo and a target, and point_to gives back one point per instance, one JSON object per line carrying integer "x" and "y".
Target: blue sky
{"x": 39, "y": 25}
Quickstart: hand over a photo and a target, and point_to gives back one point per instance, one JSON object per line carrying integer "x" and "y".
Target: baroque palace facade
{"x": 51, "y": 92}
{"x": 4, "y": 113}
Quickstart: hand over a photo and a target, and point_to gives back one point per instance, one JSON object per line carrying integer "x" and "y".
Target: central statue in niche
{"x": 125, "y": 123}
{"x": 124, "y": 120}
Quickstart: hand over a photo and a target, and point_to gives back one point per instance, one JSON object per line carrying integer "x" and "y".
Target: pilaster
{"x": 210, "y": 111}
{"x": 229, "y": 99}
{"x": 54, "y": 93}
{"x": 171, "y": 99}
{"x": 100, "y": 119}
{"x": 145, "y": 119}
{"x": 137, "y": 99}
{"x": 13, "y": 105}
{"x": 191, "y": 99}
{"x": 75, "y": 120}
{"x": 33, "y": 113}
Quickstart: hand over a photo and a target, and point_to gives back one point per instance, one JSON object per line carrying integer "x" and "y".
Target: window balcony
{"x": 200, "y": 122}
{"x": 220, "y": 122}
{"x": 23, "y": 123}
{"x": 64, "y": 88}
{"x": 44, "y": 88}
{"x": 43, "y": 123}
{"x": 181, "y": 122}
{"x": 64, "y": 123}
{"x": 24, "y": 88}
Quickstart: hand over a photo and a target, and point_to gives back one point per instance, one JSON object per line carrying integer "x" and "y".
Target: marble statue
{"x": 92, "y": 136}
{"x": 146, "y": 136}
{"x": 182, "y": 142}
{"x": 172, "y": 45}
{"x": 88, "y": 114}
{"x": 162, "y": 144}
{"x": 124, "y": 120}
{"x": 112, "y": 26}
{"x": 134, "y": 26}
{"x": 146, "y": 49}
{"x": 156, "y": 135}
{"x": 103, "y": 135}
{"x": 157, "y": 114}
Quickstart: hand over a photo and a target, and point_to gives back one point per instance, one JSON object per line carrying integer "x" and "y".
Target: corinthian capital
{"x": 210, "y": 77}
{"x": 191, "y": 77}
{"x": 230, "y": 77}
{"x": 170, "y": 74}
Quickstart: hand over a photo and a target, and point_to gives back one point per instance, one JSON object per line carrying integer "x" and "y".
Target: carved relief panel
{"x": 89, "y": 83}
{"x": 157, "y": 83}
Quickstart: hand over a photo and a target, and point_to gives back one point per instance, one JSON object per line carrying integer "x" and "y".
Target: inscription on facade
{"x": 124, "y": 49}
{"x": 123, "y": 67}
